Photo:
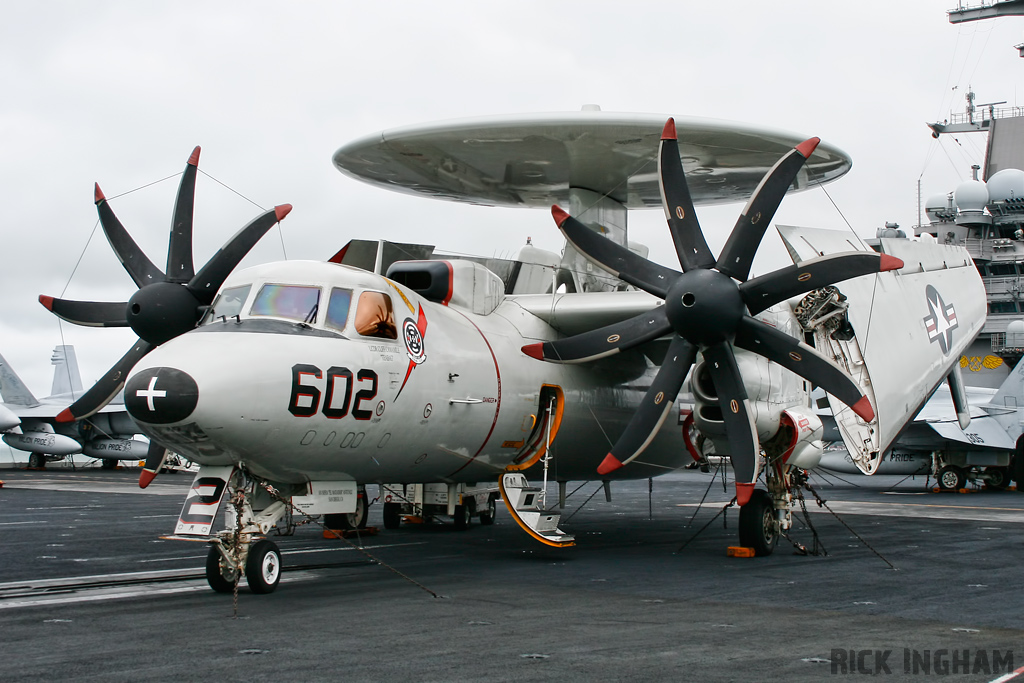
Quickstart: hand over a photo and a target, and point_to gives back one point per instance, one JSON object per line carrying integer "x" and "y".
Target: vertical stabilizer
{"x": 12, "y": 389}
{"x": 1011, "y": 392}
{"x": 66, "y": 377}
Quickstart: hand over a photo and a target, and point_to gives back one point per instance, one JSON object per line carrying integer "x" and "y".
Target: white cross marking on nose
{"x": 150, "y": 393}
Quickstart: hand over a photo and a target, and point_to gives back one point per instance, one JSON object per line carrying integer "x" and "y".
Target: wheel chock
{"x": 337, "y": 534}
{"x": 739, "y": 551}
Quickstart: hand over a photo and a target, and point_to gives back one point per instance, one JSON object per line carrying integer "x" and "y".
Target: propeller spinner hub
{"x": 704, "y": 307}
{"x": 162, "y": 311}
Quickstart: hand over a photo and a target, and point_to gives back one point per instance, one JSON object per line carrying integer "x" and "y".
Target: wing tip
{"x": 609, "y": 464}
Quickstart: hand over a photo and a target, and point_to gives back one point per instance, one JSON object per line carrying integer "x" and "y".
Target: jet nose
{"x": 161, "y": 395}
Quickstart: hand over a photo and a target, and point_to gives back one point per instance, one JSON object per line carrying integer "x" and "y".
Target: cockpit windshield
{"x": 375, "y": 316}
{"x": 294, "y": 302}
{"x": 337, "y": 308}
{"x": 228, "y": 303}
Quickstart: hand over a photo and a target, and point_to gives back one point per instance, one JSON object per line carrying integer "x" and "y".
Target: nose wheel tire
{"x": 263, "y": 567}
{"x": 220, "y": 580}
{"x": 758, "y": 527}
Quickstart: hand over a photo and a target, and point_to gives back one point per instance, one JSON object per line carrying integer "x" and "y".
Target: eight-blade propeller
{"x": 709, "y": 308}
{"x": 167, "y": 304}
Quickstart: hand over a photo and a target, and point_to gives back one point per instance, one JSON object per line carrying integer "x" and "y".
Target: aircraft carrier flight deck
{"x": 911, "y": 578}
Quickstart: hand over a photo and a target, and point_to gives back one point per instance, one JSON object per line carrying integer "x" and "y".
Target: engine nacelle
{"x": 116, "y": 449}
{"x": 44, "y": 443}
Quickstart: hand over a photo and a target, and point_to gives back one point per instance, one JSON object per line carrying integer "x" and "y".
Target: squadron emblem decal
{"x": 940, "y": 321}
{"x": 413, "y": 333}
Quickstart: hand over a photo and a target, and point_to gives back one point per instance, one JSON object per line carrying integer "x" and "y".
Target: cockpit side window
{"x": 375, "y": 316}
{"x": 294, "y": 302}
{"x": 337, "y": 308}
{"x": 228, "y": 303}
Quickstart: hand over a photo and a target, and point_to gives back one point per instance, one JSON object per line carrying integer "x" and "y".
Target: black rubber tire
{"x": 36, "y": 461}
{"x": 487, "y": 516}
{"x": 758, "y": 527}
{"x": 263, "y": 567}
{"x": 1000, "y": 478}
{"x": 392, "y": 515}
{"x": 108, "y": 464}
{"x": 951, "y": 478}
{"x": 1017, "y": 464}
{"x": 464, "y": 514}
{"x": 350, "y": 520}
{"x": 214, "y": 576}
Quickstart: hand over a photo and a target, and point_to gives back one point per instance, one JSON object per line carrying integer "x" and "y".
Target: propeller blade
{"x": 138, "y": 265}
{"x": 767, "y": 290}
{"x": 89, "y": 313}
{"x": 100, "y": 393}
{"x": 803, "y": 360}
{"x": 738, "y": 254}
{"x": 736, "y": 414}
{"x": 616, "y": 259}
{"x": 154, "y": 461}
{"x": 603, "y": 341}
{"x": 655, "y": 406}
{"x": 693, "y": 251}
{"x": 179, "y": 248}
{"x": 207, "y": 281}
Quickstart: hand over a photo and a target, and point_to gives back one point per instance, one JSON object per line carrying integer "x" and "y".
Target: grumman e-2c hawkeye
{"x": 301, "y": 382}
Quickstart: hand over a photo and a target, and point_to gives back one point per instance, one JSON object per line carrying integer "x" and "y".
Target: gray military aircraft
{"x": 30, "y": 424}
{"x": 939, "y": 442}
{"x": 294, "y": 384}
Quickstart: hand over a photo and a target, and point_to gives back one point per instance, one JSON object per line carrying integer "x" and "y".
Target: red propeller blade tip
{"x": 534, "y": 351}
{"x": 669, "y": 131}
{"x": 807, "y": 147}
{"x": 192, "y": 161}
{"x": 863, "y": 409}
{"x": 65, "y": 416}
{"x": 281, "y": 211}
{"x": 146, "y": 477}
{"x": 98, "y": 196}
{"x": 609, "y": 464}
{"x": 743, "y": 493}
{"x": 559, "y": 215}
{"x": 889, "y": 263}
{"x": 46, "y": 301}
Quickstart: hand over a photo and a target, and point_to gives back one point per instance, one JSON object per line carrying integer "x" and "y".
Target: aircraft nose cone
{"x": 161, "y": 395}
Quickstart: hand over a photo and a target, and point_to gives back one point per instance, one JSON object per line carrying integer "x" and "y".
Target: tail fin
{"x": 66, "y": 376}
{"x": 1011, "y": 392}
{"x": 12, "y": 389}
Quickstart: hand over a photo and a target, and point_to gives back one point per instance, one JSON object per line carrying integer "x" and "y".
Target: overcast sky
{"x": 120, "y": 92}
